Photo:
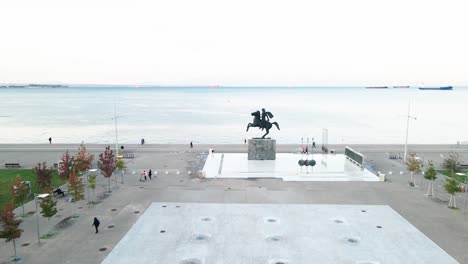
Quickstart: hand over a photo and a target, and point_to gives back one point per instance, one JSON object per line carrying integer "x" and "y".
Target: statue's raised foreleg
{"x": 248, "y": 126}
{"x": 268, "y": 131}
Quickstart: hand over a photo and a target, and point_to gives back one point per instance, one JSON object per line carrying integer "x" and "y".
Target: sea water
{"x": 221, "y": 114}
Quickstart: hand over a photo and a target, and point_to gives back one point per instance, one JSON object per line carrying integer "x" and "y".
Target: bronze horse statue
{"x": 262, "y": 124}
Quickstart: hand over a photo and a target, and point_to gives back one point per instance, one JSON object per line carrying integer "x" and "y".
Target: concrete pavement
{"x": 77, "y": 242}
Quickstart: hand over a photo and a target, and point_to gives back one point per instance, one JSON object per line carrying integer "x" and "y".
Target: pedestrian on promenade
{"x": 313, "y": 144}
{"x": 144, "y": 174}
{"x": 191, "y": 144}
{"x": 50, "y": 140}
{"x": 96, "y": 224}
{"x": 142, "y": 141}
{"x": 307, "y": 150}
{"x": 149, "y": 174}
{"x": 245, "y": 141}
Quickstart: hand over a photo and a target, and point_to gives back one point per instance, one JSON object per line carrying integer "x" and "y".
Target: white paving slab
{"x": 329, "y": 167}
{"x": 178, "y": 233}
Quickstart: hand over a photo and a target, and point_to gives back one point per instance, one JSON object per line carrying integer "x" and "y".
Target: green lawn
{"x": 6, "y": 177}
{"x": 456, "y": 177}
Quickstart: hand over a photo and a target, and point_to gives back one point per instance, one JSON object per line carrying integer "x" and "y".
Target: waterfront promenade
{"x": 77, "y": 243}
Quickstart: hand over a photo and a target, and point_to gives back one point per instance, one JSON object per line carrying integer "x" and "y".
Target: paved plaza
{"x": 206, "y": 233}
{"x": 120, "y": 210}
{"x": 328, "y": 167}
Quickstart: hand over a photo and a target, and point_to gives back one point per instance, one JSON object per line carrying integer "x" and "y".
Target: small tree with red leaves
{"x": 65, "y": 166}
{"x": 83, "y": 160}
{"x": 10, "y": 225}
{"x": 75, "y": 187}
{"x": 19, "y": 191}
{"x": 44, "y": 176}
{"x": 106, "y": 164}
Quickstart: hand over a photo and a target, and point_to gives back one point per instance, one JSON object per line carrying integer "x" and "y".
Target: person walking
{"x": 191, "y": 144}
{"x": 149, "y": 174}
{"x": 313, "y": 144}
{"x": 142, "y": 141}
{"x": 96, "y": 224}
{"x": 245, "y": 141}
{"x": 50, "y": 140}
{"x": 144, "y": 174}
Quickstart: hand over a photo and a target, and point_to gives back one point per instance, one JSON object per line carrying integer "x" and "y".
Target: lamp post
{"x": 407, "y": 129}
{"x": 36, "y": 197}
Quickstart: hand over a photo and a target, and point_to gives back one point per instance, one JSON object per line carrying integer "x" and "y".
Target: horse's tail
{"x": 276, "y": 124}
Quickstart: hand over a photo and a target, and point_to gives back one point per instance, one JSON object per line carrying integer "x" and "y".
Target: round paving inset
{"x": 338, "y": 221}
{"x": 379, "y": 226}
{"x": 102, "y": 249}
{"x": 141, "y": 187}
{"x": 201, "y": 237}
{"x": 111, "y": 226}
{"x": 353, "y": 240}
{"x": 162, "y": 231}
{"x": 113, "y": 210}
{"x": 191, "y": 261}
{"x": 177, "y": 206}
{"x": 25, "y": 245}
{"x": 136, "y": 212}
{"x": 274, "y": 238}
{"x": 271, "y": 220}
{"x": 206, "y": 219}
{"x": 363, "y": 211}
{"x": 80, "y": 207}
{"x": 164, "y": 206}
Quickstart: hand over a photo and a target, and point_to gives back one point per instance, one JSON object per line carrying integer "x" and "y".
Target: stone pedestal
{"x": 262, "y": 149}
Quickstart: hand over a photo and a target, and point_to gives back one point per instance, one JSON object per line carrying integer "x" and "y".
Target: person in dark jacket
{"x": 150, "y": 173}
{"x": 96, "y": 224}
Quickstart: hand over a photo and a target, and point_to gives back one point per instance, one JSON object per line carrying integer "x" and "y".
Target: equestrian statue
{"x": 262, "y": 121}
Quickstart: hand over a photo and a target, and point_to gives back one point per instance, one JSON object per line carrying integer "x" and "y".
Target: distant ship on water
{"x": 437, "y": 88}
{"x": 377, "y": 87}
{"x": 401, "y": 86}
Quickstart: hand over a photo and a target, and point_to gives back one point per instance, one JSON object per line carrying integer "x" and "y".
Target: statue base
{"x": 262, "y": 149}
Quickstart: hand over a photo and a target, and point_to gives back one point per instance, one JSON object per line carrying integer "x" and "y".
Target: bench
{"x": 128, "y": 155}
{"x": 64, "y": 221}
{"x": 12, "y": 165}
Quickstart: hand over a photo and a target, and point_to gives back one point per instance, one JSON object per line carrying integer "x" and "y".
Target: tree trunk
{"x": 411, "y": 179}
{"x": 429, "y": 189}
{"x": 14, "y": 248}
{"x": 108, "y": 179}
{"x": 432, "y": 187}
{"x": 48, "y": 224}
{"x": 122, "y": 175}
{"x": 22, "y": 205}
{"x": 451, "y": 201}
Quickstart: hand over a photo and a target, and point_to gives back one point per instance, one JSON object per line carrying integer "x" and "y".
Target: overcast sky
{"x": 237, "y": 42}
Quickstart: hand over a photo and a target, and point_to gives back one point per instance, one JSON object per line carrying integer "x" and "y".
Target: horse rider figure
{"x": 265, "y": 118}
{"x": 262, "y": 121}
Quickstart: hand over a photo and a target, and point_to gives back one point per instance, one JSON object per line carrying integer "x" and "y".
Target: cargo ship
{"x": 437, "y": 88}
{"x": 377, "y": 87}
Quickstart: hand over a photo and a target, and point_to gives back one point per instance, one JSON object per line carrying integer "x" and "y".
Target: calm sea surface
{"x": 220, "y": 115}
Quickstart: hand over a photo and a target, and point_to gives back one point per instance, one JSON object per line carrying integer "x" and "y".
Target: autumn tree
{"x": 414, "y": 166}
{"x": 83, "y": 160}
{"x": 430, "y": 174}
{"x": 44, "y": 176}
{"x": 49, "y": 208}
{"x": 10, "y": 225}
{"x": 19, "y": 191}
{"x": 65, "y": 166}
{"x": 451, "y": 186}
{"x": 75, "y": 187}
{"x": 451, "y": 163}
{"x": 92, "y": 183}
{"x": 106, "y": 164}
